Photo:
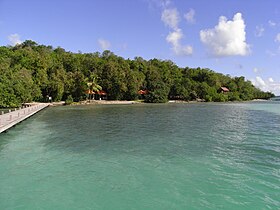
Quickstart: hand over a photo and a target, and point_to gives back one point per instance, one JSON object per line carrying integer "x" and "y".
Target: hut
{"x": 224, "y": 90}
{"x": 101, "y": 95}
{"x": 90, "y": 94}
{"x": 142, "y": 93}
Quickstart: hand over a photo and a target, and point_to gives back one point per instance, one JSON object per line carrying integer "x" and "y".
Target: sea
{"x": 144, "y": 156}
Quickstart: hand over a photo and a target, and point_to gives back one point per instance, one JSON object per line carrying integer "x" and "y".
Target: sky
{"x": 235, "y": 37}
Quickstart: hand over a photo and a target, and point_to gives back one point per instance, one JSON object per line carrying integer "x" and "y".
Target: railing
{"x": 11, "y": 118}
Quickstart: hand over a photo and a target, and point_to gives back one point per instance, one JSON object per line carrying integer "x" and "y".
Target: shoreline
{"x": 105, "y": 102}
{"x": 118, "y": 102}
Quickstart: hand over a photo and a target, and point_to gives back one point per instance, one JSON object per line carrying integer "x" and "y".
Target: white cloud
{"x": 228, "y": 38}
{"x": 189, "y": 16}
{"x": 260, "y": 82}
{"x": 163, "y": 3}
{"x": 267, "y": 85}
{"x": 158, "y": 3}
{"x": 171, "y": 18}
{"x": 259, "y": 31}
{"x": 104, "y": 44}
{"x": 277, "y": 38}
{"x": 271, "y": 23}
{"x": 14, "y": 39}
{"x": 174, "y": 38}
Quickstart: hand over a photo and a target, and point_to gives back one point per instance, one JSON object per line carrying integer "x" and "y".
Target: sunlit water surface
{"x": 171, "y": 156}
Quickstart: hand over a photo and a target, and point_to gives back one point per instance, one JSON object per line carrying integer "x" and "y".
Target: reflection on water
{"x": 174, "y": 156}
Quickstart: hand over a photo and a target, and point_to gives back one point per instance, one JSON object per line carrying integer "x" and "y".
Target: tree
{"x": 158, "y": 89}
{"x": 92, "y": 86}
{"x": 31, "y": 72}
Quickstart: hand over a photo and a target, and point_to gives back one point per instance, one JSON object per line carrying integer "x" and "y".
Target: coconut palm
{"x": 92, "y": 86}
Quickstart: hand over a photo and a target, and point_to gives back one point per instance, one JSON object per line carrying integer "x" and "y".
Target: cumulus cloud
{"x": 277, "y": 38}
{"x": 104, "y": 44}
{"x": 228, "y": 38}
{"x": 174, "y": 38}
{"x": 14, "y": 39}
{"x": 271, "y": 23}
{"x": 158, "y": 3}
{"x": 259, "y": 82}
{"x": 267, "y": 85}
{"x": 189, "y": 16}
{"x": 163, "y": 3}
{"x": 259, "y": 31}
{"x": 170, "y": 17}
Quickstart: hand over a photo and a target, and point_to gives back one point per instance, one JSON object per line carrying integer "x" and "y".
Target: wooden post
{"x": 11, "y": 117}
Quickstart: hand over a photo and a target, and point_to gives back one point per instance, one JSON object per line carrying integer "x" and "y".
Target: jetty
{"x": 12, "y": 118}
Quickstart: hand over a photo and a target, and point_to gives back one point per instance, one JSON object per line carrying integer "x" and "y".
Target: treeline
{"x": 32, "y": 72}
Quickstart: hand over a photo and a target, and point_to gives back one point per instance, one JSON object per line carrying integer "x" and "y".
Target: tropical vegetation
{"x": 33, "y": 72}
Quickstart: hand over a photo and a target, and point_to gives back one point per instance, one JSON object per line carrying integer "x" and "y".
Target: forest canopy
{"x": 33, "y": 72}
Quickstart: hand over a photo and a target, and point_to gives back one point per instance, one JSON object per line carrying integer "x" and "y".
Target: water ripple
{"x": 179, "y": 156}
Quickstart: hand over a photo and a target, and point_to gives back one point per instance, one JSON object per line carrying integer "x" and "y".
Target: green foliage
{"x": 31, "y": 72}
{"x": 69, "y": 100}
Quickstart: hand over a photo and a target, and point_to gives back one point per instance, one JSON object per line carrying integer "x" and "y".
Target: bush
{"x": 156, "y": 97}
{"x": 69, "y": 100}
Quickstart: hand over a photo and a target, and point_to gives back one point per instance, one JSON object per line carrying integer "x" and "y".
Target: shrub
{"x": 69, "y": 100}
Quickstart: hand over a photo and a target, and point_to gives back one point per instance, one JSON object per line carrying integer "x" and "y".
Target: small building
{"x": 90, "y": 94}
{"x": 224, "y": 90}
{"x": 143, "y": 92}
{"x": 101, "y": 95}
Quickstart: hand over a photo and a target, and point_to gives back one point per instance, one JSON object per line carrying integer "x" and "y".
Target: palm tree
{"x": 92, "y": 86}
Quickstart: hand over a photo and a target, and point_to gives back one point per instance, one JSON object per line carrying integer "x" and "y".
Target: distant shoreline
{"x": 120, "y": 102}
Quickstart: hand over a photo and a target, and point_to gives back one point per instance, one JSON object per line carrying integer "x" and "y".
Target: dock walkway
{"x": 10, "y": 119}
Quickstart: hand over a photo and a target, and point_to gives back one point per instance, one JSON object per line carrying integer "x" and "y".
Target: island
{"x": 33, "y": 72}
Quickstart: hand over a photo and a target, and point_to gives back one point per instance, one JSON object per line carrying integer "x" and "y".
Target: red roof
{"x": 143, "y": 92}
{"x": 225, "y": 89}
{"x": 101, "y": 92}
{"x": 89, "y": 92}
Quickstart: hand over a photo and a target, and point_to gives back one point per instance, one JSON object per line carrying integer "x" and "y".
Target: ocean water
{"x": 167, "y": 156}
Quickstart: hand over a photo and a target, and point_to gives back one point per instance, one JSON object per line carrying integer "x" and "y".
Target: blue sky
{"x": 236, "y": 37}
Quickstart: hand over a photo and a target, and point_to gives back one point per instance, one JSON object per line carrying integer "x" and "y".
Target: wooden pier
{"x": 12, "y": 118}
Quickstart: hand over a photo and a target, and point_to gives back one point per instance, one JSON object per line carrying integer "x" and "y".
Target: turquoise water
{"x": 170, "y": 156}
